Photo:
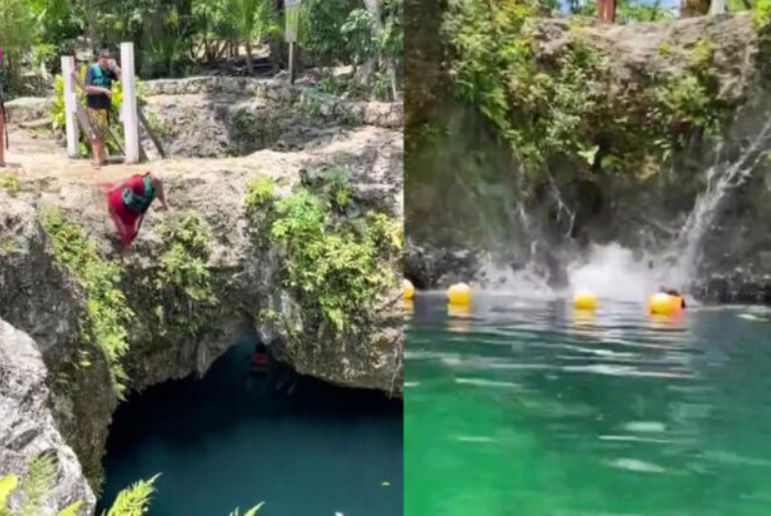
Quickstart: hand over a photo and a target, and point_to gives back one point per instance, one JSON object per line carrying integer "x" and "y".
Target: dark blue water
{"x": 232, "y": 439}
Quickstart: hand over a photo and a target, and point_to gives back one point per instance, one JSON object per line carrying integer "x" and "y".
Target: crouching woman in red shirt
{"x": 129, "y": 201}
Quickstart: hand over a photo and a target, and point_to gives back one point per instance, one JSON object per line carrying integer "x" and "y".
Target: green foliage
{"x": 108, "y": 313}
{"x": 38, "y": 483}
{"x": 18, "y": 36}
{"x": 321, "y": 33}
{"x": 337, "y": 189}
{"x": 341, "y": 31}
{"x": 58, "y": 111}
{"x": 311, "y": 107}
{"x": 251, "y": 512}
{"x": 11, "y": 183}
{"x": 181, "y": 291}
{"x": 566, "y": 104}
{"x": 761, "y": 16}
{"x": 35, "y": 489}
{"x": 258, "y": 193}
{"x": 43, "y": 54}
{"x": 701, "y": 56}
{"x": 253, "y": 21}
{"x": 184, "y": 263}
{"x": 59, "y": 22}
{"x": 666, "y": 49}
{"x": 7, "y": 486}
{"x": 687, "y": 103}
{"x": 260, "y": 209}
{"x": 134, "y": 500}
{"x": 74, "y": 509}
{"x": 336, "y": 267}
{"x": 358, "y": 31}
{"x": 432, "y": 134}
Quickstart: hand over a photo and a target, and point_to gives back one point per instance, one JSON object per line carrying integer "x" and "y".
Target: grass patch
{"x": 11, "y": 183}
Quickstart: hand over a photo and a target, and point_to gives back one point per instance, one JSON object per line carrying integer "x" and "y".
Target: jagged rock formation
{"x": 27, "y": 427}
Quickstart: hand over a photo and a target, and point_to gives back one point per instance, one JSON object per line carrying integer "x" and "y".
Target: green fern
{"x": 7, "y": 486}
{"x": 135, "y": 500}
{"x": 35, "y": 489}
{"x": 72, "y": 510}
{"x": 251, "y": 512}
{"x": 37, "y": 485}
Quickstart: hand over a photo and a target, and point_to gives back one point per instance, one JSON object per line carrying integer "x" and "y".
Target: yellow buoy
{"x": 664, "y": 304}
{"x": 584, "y": 301}
{"x": 409, "y": 289}
{"x": 459, "y": 294}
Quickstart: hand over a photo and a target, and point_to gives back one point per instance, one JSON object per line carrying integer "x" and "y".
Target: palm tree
{"x": 252, "y": 21}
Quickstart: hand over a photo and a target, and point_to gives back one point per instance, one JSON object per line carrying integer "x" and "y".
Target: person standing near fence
{"x": 99, "y": 79}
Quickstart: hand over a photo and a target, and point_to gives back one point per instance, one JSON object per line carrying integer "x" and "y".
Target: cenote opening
{"x": 233, "y": 439}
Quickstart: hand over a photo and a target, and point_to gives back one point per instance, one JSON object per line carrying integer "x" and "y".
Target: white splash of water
{"x": 720, "y": 181}
{"x": 614, "y": 272}
{"x": 526, "y": 282}
{"x": 617, "y": 273}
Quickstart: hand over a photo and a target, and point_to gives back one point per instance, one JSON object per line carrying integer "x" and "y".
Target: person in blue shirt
{"x": 99, "y": 79}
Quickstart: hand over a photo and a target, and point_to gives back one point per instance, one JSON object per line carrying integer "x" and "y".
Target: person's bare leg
{"x": 103, "y": 153}
{"x": 602, "y": 10}
{"x": 95, "y": 152}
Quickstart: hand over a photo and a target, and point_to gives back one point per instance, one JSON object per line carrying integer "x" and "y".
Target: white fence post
{"x": 129, "y": 107}
{"x": 717, "y": 7}
{"x": 70, "y": 107}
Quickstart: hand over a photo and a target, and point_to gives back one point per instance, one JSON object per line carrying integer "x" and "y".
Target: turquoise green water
{"x": 232, "y": 439}
{"x": 522, "y": 408}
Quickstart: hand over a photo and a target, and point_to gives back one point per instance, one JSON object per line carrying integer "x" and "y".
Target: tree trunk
{"x": 368, "y": 69}
{"x": 249, "y": 66}
{"x": 92, "y": 34}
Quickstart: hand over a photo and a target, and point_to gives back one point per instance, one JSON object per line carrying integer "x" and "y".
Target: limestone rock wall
{"x": 27, "y": 426}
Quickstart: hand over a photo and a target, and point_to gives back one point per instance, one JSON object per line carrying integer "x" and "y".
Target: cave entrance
{"x": 235, "y": 438}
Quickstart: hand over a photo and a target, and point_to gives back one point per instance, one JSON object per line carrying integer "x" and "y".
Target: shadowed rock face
{"x": 40, "y": 296}
{"x": 27, "y": 426}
